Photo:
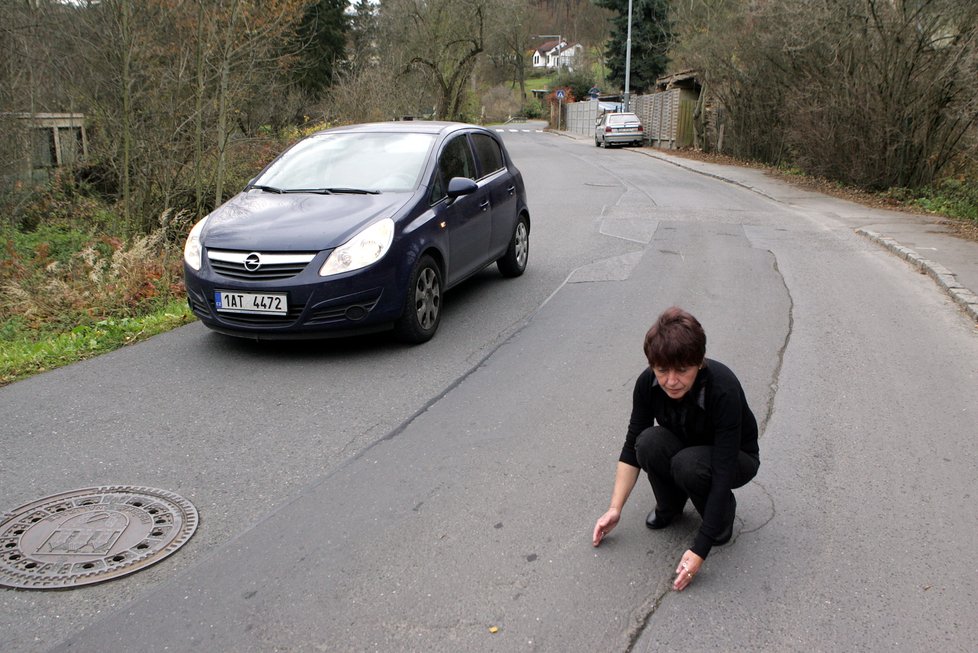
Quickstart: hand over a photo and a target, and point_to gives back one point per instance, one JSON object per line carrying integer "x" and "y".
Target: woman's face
{"x": 676, "y": 381}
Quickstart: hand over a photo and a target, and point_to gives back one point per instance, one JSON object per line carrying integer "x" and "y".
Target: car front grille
{"x": 258, "y": 266}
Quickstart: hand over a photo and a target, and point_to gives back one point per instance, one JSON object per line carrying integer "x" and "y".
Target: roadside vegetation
{"x": 71, "y": 286}
{"x": 75, "y": 281}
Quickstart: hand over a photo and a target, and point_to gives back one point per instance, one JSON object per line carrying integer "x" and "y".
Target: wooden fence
{"x": 667, "y": 117}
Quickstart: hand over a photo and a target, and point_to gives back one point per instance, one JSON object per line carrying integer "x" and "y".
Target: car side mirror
{"x": 459, "y": 186}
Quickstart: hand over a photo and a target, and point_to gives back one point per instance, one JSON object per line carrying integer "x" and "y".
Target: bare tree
{"x": 440, "y": 41}
{"x": 30, "y": 79}
{"x": 879, "y": 93}
{"x": 890, "y": 90}
{"x": 248, "y": 52}
{"x": 511, "y": 34}
{"x": 168, "y": 83}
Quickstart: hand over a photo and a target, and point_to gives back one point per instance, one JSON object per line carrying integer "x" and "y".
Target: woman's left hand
{"x": 688, "y": 567}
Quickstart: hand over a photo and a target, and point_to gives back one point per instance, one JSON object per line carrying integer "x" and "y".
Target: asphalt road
{"x": 360, "y": 495}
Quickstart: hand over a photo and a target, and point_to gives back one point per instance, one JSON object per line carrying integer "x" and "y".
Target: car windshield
{"x": 349, "y": 162}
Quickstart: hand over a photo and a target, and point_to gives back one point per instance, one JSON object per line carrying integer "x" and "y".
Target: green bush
{"x": 533, "y": 109}
{"x": 579, "y": 83}
{"x": 62, "y": 202}
{"x": 955, "y": 197}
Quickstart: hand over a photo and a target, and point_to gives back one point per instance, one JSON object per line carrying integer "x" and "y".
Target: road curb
{"x": 944, "y": 278}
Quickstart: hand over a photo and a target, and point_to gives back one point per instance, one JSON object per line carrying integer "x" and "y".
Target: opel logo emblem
{"x": 252, "y": 262}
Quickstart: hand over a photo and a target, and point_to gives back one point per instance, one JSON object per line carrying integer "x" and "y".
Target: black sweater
{"x": 714, "y": 412}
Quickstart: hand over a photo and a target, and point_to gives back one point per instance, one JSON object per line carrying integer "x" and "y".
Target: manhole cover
{"x": 91, "y": 535}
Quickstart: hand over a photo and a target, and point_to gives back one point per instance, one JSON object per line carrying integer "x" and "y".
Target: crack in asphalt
{"x": 776, "y": 376}
{"x": 614, "y": 174}
{"x": 641, "y": 616}
{"x": 771, "y": 515}
{"x": 639, "y": 622}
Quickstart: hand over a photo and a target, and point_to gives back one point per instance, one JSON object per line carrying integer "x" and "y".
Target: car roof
{"x": 404, "y": 127}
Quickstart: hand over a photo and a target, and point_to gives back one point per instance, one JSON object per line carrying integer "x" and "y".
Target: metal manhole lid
{"x": 91, "y": 535}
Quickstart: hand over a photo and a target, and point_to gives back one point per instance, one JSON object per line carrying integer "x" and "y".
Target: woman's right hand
{"x": 606, "y": 522}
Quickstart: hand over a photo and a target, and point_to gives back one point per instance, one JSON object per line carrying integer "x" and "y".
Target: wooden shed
{"x": 40, "y": 142}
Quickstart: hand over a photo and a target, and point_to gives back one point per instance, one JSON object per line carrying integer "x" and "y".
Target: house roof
{"x": 549, "y": 46}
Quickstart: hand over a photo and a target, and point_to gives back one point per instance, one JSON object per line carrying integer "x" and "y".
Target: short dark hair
{"x": 675, "y": 340}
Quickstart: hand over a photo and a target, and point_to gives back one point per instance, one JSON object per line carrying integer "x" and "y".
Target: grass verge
{"x": 24, "y": 352}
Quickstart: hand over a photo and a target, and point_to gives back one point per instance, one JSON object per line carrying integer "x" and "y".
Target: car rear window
{"x": 622, "y": 118}
{"x": 487, "y": 149}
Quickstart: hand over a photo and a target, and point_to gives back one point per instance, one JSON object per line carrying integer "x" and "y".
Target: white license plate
{"x": 251, "y": 302}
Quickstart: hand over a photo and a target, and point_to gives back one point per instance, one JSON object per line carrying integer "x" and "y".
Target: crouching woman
{"x": 693, "y": 434}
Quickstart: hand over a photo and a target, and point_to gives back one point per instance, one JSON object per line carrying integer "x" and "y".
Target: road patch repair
{"x": 91, "y": 535}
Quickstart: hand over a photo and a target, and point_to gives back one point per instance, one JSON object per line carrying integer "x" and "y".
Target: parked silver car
{"x": 618, "y": 128}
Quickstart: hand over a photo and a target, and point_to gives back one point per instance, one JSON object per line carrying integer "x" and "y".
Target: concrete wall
{"x": 579, "y": 117}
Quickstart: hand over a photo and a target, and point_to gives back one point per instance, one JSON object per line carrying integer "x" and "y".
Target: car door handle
{"x": 511, "y": 190}
{"x": 484, "y": 205}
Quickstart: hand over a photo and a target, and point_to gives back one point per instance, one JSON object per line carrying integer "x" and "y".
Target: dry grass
{"x": 107, "y": 278}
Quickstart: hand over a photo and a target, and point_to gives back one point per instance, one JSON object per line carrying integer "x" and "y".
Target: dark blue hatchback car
{"x": 359, "y": 228}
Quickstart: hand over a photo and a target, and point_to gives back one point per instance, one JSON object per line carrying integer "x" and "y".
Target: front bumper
{"x": 363, "y": 300}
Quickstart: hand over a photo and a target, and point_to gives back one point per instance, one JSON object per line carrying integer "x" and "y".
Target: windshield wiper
{"x": 267, "y": 189}
{"x": 333, "y": 191}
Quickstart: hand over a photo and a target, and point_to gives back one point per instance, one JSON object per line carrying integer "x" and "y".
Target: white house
{"x": 556, "y": 53}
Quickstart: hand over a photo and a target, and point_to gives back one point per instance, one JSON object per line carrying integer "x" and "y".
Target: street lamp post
{"x": 628, "y": 57}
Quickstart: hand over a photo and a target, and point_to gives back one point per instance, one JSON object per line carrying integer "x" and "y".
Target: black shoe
{"x": 657, "y": 520}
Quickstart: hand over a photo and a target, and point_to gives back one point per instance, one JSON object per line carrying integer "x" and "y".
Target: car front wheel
{"x": 422, "y": 306}
{"x": 513, "y": 262}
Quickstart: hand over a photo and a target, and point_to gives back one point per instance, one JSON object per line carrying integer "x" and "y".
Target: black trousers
{"x": 678, "y": 472}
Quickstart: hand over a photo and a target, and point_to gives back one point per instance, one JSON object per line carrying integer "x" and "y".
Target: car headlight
{"x": 193, "y": 250}
{"x": 368, "y": 246}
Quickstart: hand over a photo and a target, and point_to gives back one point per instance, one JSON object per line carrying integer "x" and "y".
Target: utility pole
{"x": 628, "y": 57}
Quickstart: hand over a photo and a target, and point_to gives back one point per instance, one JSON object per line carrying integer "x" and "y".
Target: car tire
{"x": 422, "y": 305}
{"x": 597, "y": 143}
{"x": 513, "y": 262}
